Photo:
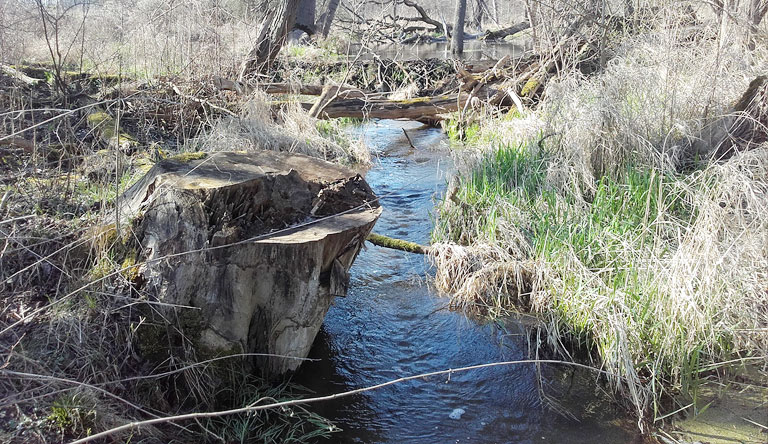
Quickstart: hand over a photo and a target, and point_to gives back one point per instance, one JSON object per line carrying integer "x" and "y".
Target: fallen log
{"x": 414, "y": 109}
{"x": 396, "y": 244}
{"x": 743, "y": 129}
{"x": 18, "y": 75}
{"x": 440, "y": 26}
{"x": 313, "y": 90}
{"x": 501, "y": 33}
{"x": 289, "y": 88}
{"x": 19, "y": 142}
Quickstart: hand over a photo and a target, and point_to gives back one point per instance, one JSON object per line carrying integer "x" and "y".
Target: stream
{"x": 392, "y": 325}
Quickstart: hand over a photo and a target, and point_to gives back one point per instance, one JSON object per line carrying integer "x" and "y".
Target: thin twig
{"x": 348, "y": 393}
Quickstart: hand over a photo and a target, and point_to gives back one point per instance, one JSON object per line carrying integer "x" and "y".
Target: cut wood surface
{"x": 249, "y": 273}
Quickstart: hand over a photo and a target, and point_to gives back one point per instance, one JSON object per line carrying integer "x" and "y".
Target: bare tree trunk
{"x": 457, "y": 40}
{"x": 757, "y": 11}
{"x": 532, "y": 19}
{"x": 477, "y": 20}
{"x": 305, "y": 18}
{"x": 327, "y": 17}
{"x": 271, "y": 36}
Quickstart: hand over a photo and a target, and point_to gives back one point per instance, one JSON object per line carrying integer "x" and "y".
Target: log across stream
{"x": 390, "y": 325}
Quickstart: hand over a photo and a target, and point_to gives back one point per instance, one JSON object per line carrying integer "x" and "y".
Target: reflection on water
{"x": 474, "y": 50}
{"x": 391, "y": 325}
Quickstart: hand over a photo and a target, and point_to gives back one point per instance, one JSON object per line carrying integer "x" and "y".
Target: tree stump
{"x": 745, "y": 128}
{"x": 213, "y": 230}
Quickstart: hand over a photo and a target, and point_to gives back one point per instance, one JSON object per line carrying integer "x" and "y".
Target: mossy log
{"x": 213, "y": 234}
{"x": 110, "y": 132}
{"x": 397, "y": 244}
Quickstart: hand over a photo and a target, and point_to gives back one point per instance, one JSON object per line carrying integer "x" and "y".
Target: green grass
{"x": 460, "y": 131}
{"x": 288, "y": 425}
{"x": 602, "y": 255}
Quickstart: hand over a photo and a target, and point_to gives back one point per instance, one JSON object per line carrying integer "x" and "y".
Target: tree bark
{"x": 327, "y": 17}
{"x": 757, "y": 11}
{"x": 305, "y": 17}
{"x": 271, "y": 36}
{"x": 479, "y": 13}
{"x": 457, "y": 40}
{"x": 207, "y": 233}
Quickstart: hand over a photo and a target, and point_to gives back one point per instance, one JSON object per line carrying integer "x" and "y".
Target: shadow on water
{"x": 391, "y": 325}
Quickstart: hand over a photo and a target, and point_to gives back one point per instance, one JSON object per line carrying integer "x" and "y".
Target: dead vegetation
{"x": 626, "y": 211}
{"x": 84, "y": 348}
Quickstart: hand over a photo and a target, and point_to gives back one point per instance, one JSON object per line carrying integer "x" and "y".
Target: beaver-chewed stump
{"x": 215, "y": 233}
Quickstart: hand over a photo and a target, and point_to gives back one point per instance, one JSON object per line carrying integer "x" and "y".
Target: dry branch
{"x": 18, "y": 75}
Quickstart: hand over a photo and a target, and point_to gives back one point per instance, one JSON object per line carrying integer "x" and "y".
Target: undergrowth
{"x": 591, "y": 213}
{"x": 84, "y": 347}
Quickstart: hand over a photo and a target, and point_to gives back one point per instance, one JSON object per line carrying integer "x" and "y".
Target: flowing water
{"x": 391, "y": 325}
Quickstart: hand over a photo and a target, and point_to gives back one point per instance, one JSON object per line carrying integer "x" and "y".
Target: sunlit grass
{"x": 607, "y": 268}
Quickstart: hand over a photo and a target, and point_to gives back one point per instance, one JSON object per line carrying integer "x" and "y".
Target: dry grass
{"x": 292, "y": 130}
{"x": 144, "y": 38}
{"x": 84, "y": 348}
{"x": 591, "y": 223}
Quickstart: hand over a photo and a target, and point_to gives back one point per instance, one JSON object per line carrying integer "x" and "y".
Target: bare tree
{"x": 326, "y": 18}
{"x": 757, "y": 11}
{"x": 271, "y": 36}
{"x": 305, "y": 17}
{"x": 52, "y": 18}
{"x": 457, "y": 40}
{"x": 479, "y": 13}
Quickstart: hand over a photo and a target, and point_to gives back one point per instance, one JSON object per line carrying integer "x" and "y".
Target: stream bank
{"x": 392, "y": 324}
